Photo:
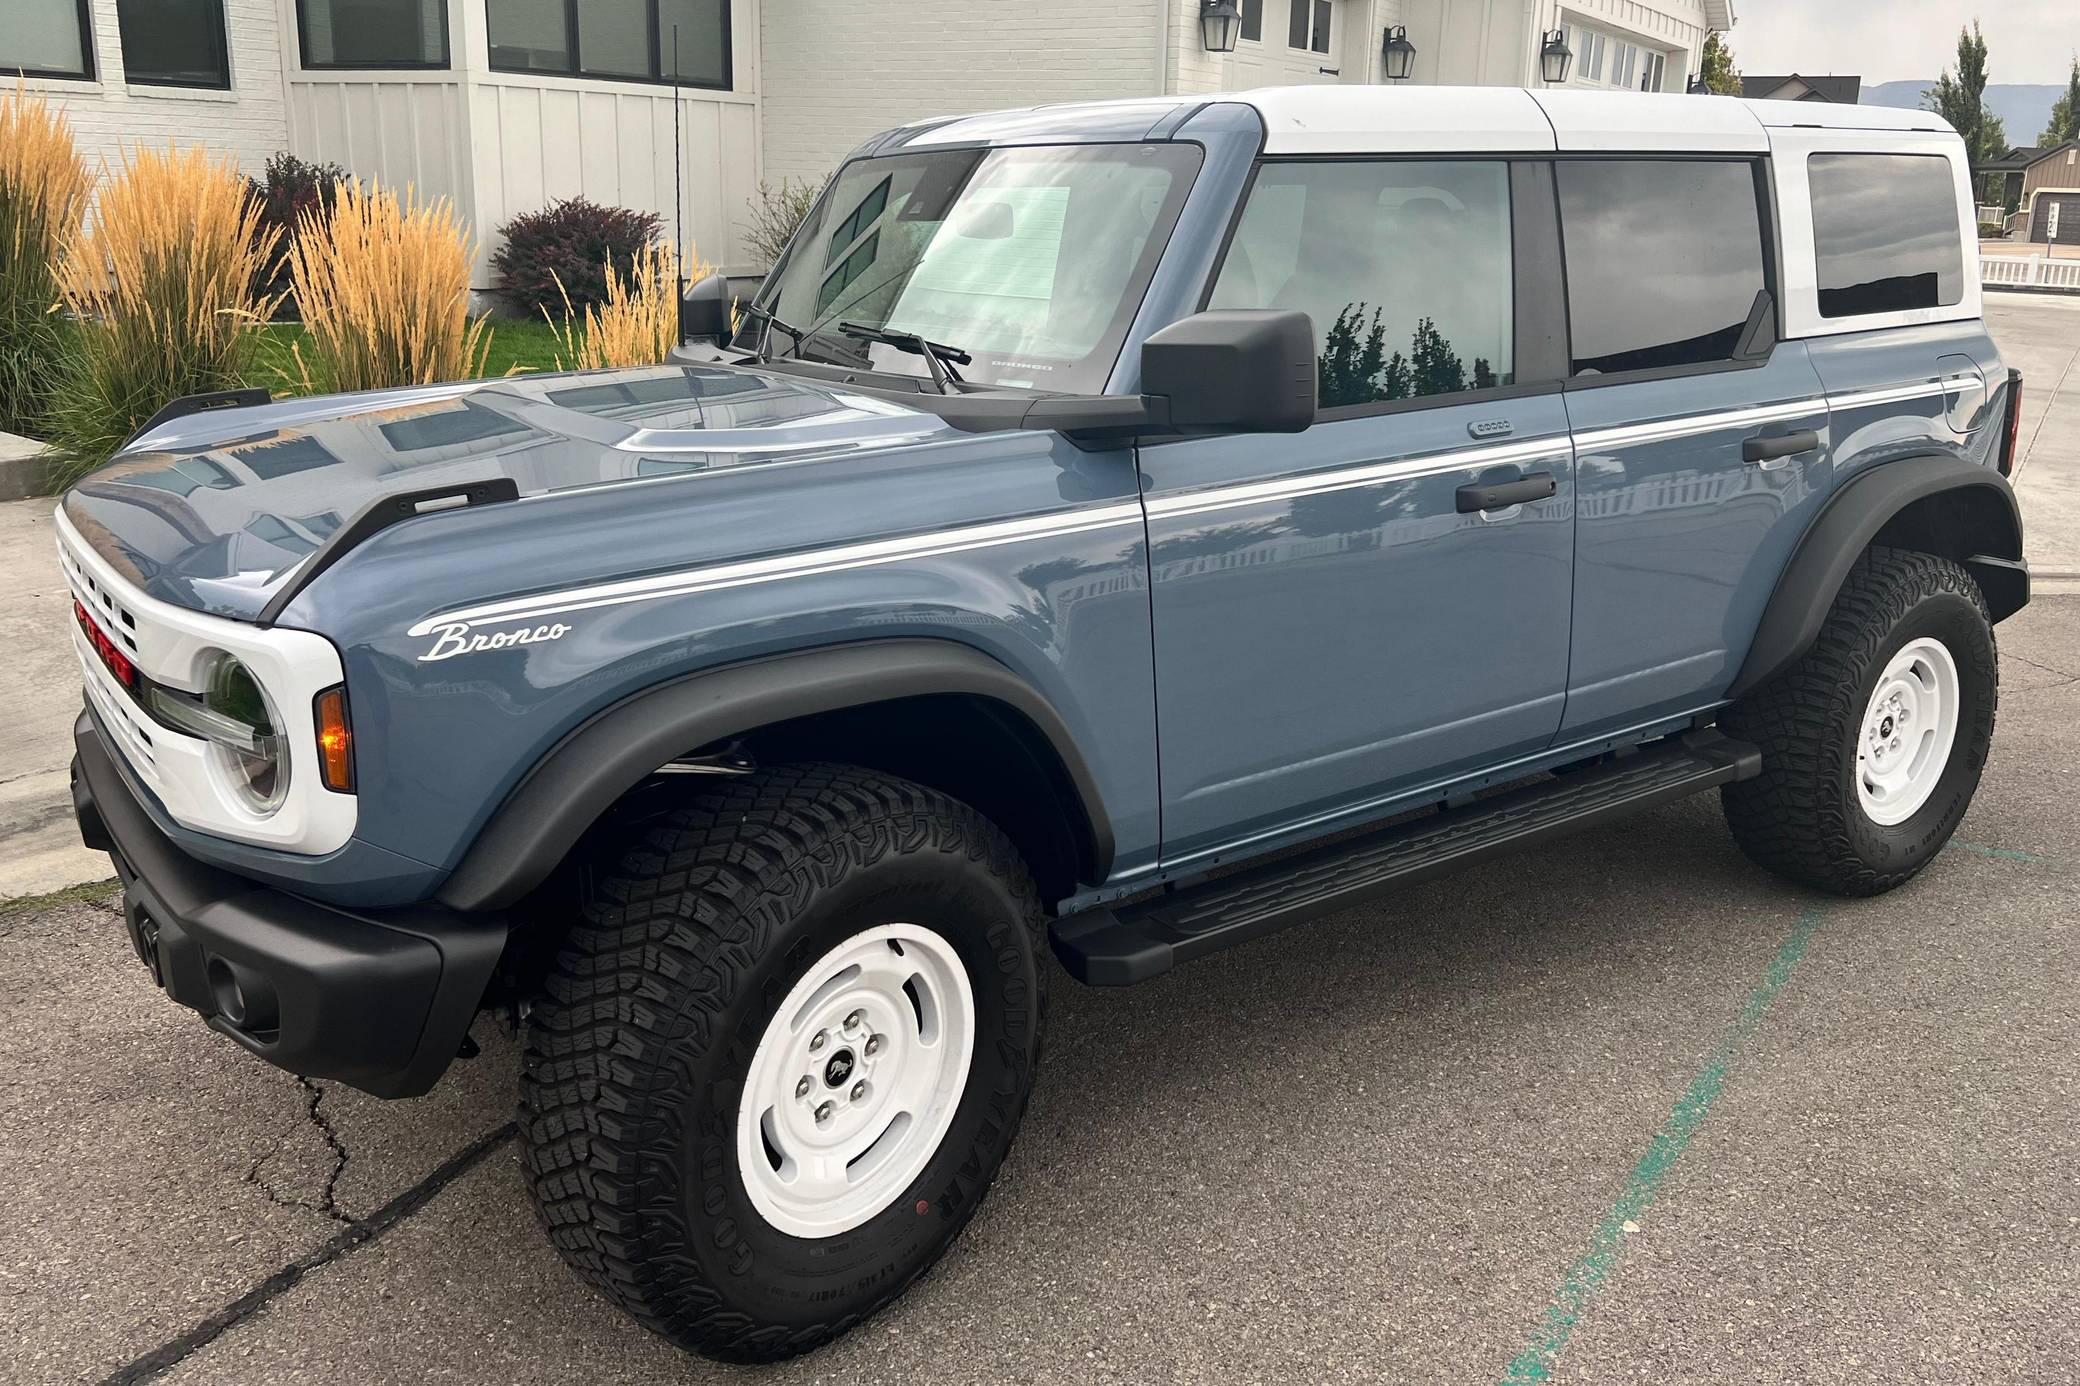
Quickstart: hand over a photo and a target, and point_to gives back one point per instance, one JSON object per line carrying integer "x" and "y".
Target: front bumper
{"x": 378, "y": 999}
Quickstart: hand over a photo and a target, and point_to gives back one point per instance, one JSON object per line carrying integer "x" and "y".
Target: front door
{"x": 1700, "y": 442}
{"x": 1353, "y": 613}
{"x": 1287, "y": 43}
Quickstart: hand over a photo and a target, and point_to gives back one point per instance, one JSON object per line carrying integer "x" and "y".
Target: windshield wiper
{"x": 765, "y": 338}
{"x": 938, "y": 357}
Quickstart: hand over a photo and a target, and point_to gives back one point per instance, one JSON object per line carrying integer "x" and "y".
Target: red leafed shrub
{"x": 290, "y": 188}
{"x": 572, "y": 241}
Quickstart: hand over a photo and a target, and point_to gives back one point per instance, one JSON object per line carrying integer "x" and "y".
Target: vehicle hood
{"x": 216, "y": 511}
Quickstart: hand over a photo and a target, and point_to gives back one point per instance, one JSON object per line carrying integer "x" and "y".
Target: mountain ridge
{"x": 2024, "y": 107}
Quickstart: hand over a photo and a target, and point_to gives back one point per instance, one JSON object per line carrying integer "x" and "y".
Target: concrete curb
{"x": 23, "y": 472}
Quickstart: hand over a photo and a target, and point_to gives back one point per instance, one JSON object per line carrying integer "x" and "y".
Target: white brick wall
{"x": 249, "y": 122}
{"x": 837, "y": 71}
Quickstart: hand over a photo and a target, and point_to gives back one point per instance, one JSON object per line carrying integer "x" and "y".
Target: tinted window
{"x": 1664, "y": 259}
{"x": 1404, "y": 267}
{"x": 621, "y": 39}
{"x": 1885, "y": 232}
{"x": 373, "y": 33}
{"x": 174, "y": 43}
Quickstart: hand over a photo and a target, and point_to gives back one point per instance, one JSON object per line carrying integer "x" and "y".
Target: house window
{"x": 1656, "y": 72}
{"x": 48, "y": 38}
{"x": 174, "y": 43}
{"x": 373, "y": 33}
{"x": 620, "y": 40}
{"x": 1674, "y": 288}
{"x": 1307, "y": 25}
{"x": 1405, "y": 269}
{"x": 1253, "y": 20}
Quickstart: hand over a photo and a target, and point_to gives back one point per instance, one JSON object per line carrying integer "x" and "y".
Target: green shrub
{"x": 44, "y": 185}
{"x": 565, "y": 249}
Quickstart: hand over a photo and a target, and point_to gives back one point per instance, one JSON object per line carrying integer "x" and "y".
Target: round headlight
{"x": 257, "y": 765}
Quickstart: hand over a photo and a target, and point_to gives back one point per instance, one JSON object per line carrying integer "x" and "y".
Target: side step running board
{"x": 1106, "y": 947}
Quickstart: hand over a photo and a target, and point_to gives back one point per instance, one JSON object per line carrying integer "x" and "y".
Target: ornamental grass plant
{"x": 383, "y": 287}
{"x": 637, "y": 323}
{"x": 160, "y": 288}
{"x": 44, "y": 187}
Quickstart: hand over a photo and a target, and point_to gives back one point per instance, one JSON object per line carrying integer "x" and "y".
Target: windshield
{"x": 1031, "y": 260}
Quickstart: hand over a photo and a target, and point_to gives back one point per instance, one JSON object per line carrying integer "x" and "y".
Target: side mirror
{"x": 704, "y": 312}
{"x": 1234, "y": 370}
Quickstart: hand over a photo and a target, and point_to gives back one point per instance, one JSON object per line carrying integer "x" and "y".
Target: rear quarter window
{"x": 1885, "y": 233}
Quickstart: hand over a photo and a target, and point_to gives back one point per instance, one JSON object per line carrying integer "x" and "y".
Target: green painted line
{"x": 2004, "y": 853}
{"x": 1579, "y": 1285}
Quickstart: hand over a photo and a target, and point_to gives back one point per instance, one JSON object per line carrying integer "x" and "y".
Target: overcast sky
{"x": 1891, "y": 40}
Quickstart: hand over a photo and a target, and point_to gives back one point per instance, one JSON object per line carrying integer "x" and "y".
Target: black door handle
{"x": 1497, "y": 495}
{"x": 1789, "y": 445}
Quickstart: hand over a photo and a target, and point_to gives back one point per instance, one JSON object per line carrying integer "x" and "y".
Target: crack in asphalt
{"x": 328, "y": 1204}
{"x": 175, "y": 1350}
{"x": 2064, "y": 677}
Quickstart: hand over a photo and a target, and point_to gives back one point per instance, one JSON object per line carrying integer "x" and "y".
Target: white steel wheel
{"x": 1908, "y": 728}
{"x": 856, "y": 1080}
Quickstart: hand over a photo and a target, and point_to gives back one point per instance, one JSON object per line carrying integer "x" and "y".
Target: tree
{"x": 2065, "y": 113}
{"x": 1960, "y": 98}
{"x": 1437, "y": 369}
{"x": 1721, "y": 77}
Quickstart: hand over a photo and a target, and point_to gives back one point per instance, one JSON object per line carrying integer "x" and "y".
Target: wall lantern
{"x": 1698, "y": 86}
{"x": 1555, "y": 57}
{"x": 1220, "y": 22}
{"x": 1397, "y": 56}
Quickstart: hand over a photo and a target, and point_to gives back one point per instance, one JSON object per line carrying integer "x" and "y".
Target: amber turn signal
{"x": 335, "y": 741}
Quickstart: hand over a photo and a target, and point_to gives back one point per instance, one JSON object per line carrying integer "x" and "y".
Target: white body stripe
{"x": 748, "y": 572}
{"x": 757, "y": 570}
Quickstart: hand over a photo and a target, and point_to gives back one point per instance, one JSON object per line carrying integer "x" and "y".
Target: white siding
{"x": 248, "y": 122}
{"x": 841, "y": 70}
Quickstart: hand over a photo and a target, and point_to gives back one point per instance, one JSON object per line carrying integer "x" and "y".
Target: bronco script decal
{"x": 456, "y": 638}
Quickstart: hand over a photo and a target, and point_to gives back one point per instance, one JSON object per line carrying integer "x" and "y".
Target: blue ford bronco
{"x": 1123, "y": 530}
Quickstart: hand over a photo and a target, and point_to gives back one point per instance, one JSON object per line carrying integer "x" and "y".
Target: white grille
{"x": 175, "y": 646}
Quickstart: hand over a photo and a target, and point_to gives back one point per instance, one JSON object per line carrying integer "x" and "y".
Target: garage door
{"x": 2056, "y": 218}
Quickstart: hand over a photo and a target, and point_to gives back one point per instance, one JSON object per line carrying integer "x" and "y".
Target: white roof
{"x": 1416, "y": 120}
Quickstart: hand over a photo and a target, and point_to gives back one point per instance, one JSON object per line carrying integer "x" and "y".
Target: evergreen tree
{"x": 1721, "y": 77}
{"x": 2065, "y": 113}
{"x": 1436, "y": 368}
{"x": 1960, "y": 98}
{"x": 1397, "y": 383}
{"x": 1483, "y": 374}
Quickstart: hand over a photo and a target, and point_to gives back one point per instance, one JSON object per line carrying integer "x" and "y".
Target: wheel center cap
{"x": 1885, "y": 727}
{"x": 838, "y": 1069}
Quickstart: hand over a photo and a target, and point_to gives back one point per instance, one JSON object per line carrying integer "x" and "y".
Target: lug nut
{"x": 873, "y": 1045}
{"x": 816, "y": 1040}
{"x": 852, "y": 1021}
{"x": 801, "y": 1089}
{"x": 859, "y": 1090}
{"x": 1895, "y": 743}
{"x": 823, "y": 1112}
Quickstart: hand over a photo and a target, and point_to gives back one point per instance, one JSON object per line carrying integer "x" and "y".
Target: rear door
{"x": 1700, "y": 441}
{"x": 1338, "y": 619}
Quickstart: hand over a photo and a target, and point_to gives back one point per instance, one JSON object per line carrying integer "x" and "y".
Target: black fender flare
{"x": 1976, "y": 523}
{"x": 621, "y": 746}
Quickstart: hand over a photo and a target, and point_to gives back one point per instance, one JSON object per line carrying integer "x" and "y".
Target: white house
{"x": 504, "y": 105}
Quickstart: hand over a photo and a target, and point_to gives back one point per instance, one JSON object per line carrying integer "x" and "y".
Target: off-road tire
{"x": 1801, "y": 818}
{"x": 636, "y": 1055}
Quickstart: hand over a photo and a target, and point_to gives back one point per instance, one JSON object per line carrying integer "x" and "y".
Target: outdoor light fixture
{"x": 1220, "y": 22}
{"x": 1554, "y": 57}
{"x": 1697, "y": 86}
{"x": 1397, "y": 56}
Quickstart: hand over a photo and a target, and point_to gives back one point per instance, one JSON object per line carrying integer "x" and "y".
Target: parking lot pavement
{"x": 1622, "y": 1109}
{"x": 2040, "y": 334}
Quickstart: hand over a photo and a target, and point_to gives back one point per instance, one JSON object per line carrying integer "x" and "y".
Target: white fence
{"x": 2029, "y": 272}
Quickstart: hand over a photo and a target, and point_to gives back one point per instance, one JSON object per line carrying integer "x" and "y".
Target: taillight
{"x": 335, "y": 741}
{"x": 2011, "y": 459}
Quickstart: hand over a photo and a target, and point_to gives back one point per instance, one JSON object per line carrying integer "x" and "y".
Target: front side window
{"x": 1664, "y": 260}
{"x": 1885, "y": 233}
{"x": 619, "y": 40}
{"x": 47, "y": 38}
{"x": 1405, "y": 268}
{"x": 1030, "y": 259}
{"x": 174, "y": 43}
{"x": 373, "y": 33}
